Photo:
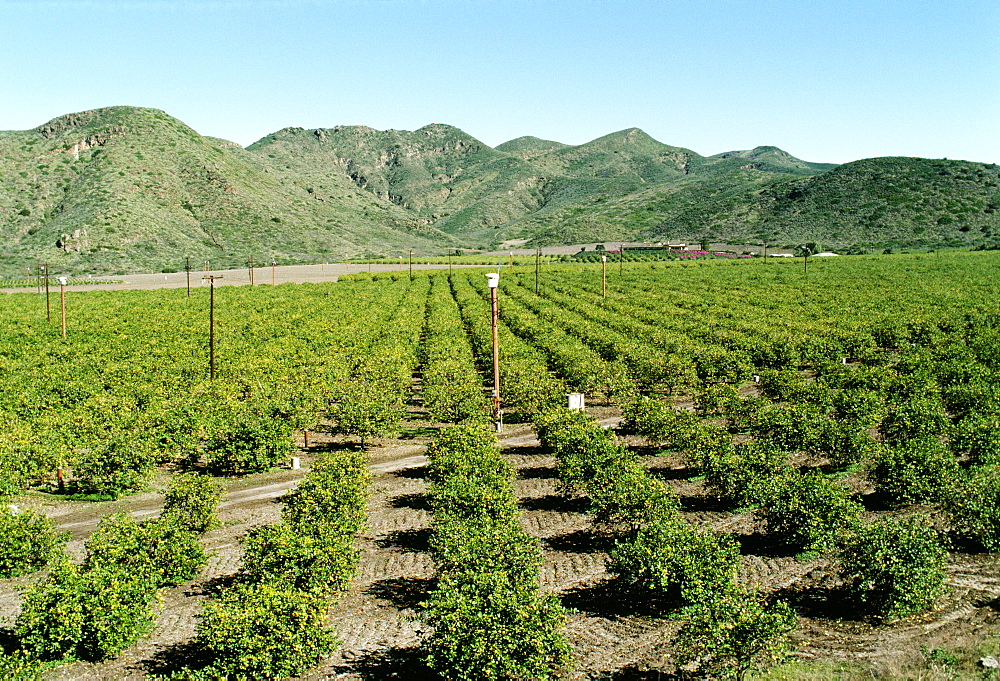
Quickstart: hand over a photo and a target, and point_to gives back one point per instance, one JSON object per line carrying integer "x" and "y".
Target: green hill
{"x": 128, "y": 189}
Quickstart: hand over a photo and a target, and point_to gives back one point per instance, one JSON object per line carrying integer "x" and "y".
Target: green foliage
{"x": 728, "y": 637}
{"x": 333, "y": 493}
{"x": 114, "y": 467}
{"x": 486, "y": 626}
{"x": 978, "y": 436}
{"x": 809, "y": 512}
{"x": 251, "y": 443}
{"x": 917, "y": 471}
{"x": 678, "y": 561}
{"x": 746, "y": 475}
{"x": 894, "y": 567}
{"x": 309, "y": 559}
{"x": 27, "y": 541}
{"x": 973, "y": 507}
{"x": 92, "y": 614}
{"x": 263, "y": 631}
{"x": 915, "y": 416}
{"x": 190, "y": 502}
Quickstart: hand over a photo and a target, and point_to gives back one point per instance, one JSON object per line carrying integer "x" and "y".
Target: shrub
{"x": 92, "y": 614}
{"x": 744, "y": 474}
{"x": 114, "y": 467}
{"x": 915, "y": 416}
{"x": 366, "y": 410}
{"x": 162, "y": 550}
{"x": 894, "y": 567}
{"x": 623, "y": 491}
{"x": 487, "y": 626}
{"x": 678, "y": 561}
{"x": 333, "y": 493}
{"x": 317, "y": 560}
{"x": 974, "y": 507}
{"x": 251, "y": 443}
{"x": 809, "y": 512}
{"x": 190, "y": 502}
{"x": 978, "y": 435}
{"x": 486, "y": 545}
{"x": 728, "y": 637}
{"x": 263, "y": 631}
{"x": 915, "y": 472}
{"x": 27, "y": 541}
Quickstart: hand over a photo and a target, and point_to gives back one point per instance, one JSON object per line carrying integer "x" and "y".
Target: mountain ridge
{"x": 129, "y": 188}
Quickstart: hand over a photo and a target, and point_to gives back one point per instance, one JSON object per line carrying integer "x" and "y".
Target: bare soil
{"x": 615, "y": 633}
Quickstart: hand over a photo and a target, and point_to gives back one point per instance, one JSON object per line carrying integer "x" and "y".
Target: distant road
{"x": 290, "y": 274}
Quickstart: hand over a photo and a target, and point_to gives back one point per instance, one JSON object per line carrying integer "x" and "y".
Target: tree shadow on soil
{"x": 403, "y": 592}
{"x": 416, "y": 473}
{"x": 702, "y": 503}
{"x": 632, "y": 673}
{"x": 556, "y": 503}
{"x": 175, "y": 658}
{"x": 614, "y": 599}
{"x": 408, "y": 540}
{"x": 581, "y": 541}
{"x": 396, "y": 663}
{"x": 669, "y": 473}
{"x": 212, "y": 586}
{"x": 822, "y": 602}
{"x": 525, "y": 451}
{"x": 417, "y": 501}
{"x": 763, "y": 545}
{"x": 537, "y": 473}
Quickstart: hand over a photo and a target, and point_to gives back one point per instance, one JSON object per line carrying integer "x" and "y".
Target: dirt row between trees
{"x": 615, "y": 633}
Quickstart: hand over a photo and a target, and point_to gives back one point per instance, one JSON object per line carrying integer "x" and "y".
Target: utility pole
{"x": 273, "y": 263}
{"x": 621, "y": 259}
{"x": 48, "y": 311}
{"x": 250, "y": 266}
{"x": 187, "y": 271}
{"x": 493, "y": 280}
{"x": 211, "y": 324}
{"x": 62, "y": 303}
{"x": 538, "y": 257}
{"x": 604, "y": 276}
{"x": 411, "y": 264}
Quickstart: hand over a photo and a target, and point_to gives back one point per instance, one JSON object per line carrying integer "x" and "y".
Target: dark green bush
{"x": 978, "y": 436}
{"x": 727, "y": 637}
{"x": 486, "y": 545}
{"x": 114, "y": 467}
{"x": 318, "y": 559}
{"x": 809, "y": 512}
{"x": 27, "y": 541}
{"x": 250, "y": 443}
{"x": 974, "y": 507}
{"x": 678, "y": 561}
{"x": 894, "y": 567}
{"x": 917, "y": 471}
{"x": 190, "y": 501}
{"x": 913, "y": 416}
{"x": 488, "y": 626}
{"x": 263, "y": 631}
{"x": 744, "y": 474}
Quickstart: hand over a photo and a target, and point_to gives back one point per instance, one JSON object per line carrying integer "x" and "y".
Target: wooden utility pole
{"x": 187, "y": 271}
{"x": 273, "y": 263}
{"x": 62, "y": 303}
{"x": 538, "y": 257}
{"x": 604, "y": 276}
{"x": 211, "y": 324}
{"x": 250, "y": 266}
{"x": 411, "y": 264}
{"x": 493, "y": 281}
{"x": 48, "y": 311}
{"x": 621, "y": 259}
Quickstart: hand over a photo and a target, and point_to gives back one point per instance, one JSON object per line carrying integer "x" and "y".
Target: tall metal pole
{"x": 250, "y": 265}
{"x": 211, "y": 324}
{"x": 187, "y": 271}
{"x": 273, "y": 263}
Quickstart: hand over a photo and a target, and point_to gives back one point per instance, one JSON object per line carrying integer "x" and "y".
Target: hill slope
{"x": 127, "y": 189}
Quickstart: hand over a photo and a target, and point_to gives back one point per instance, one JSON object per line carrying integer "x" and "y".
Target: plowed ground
{"x": 615, "y": 633}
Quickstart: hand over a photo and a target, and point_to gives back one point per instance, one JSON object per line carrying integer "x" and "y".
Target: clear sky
{"x": 825, "y": 80}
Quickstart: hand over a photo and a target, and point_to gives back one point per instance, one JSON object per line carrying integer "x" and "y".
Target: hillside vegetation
{"x": 129, "y": 189}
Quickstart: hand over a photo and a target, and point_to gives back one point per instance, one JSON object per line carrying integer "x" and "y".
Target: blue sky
{"x": 826, "y": 80}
